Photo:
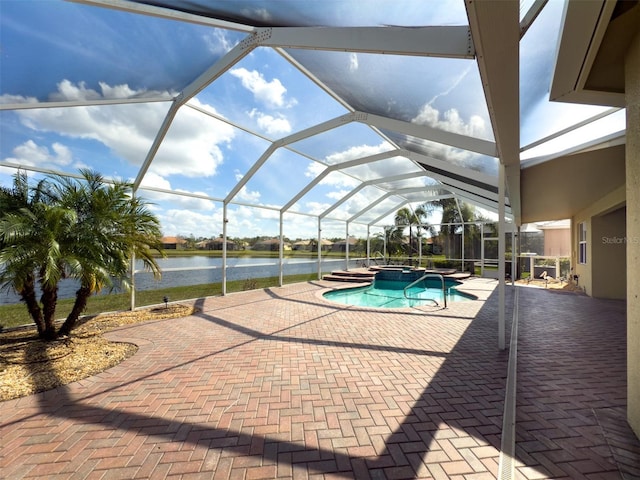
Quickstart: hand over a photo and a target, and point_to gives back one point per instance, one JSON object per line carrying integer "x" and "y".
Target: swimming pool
{"x": 390, "y": 294}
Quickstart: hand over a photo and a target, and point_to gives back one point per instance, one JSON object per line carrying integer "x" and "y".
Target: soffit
{"x": 590, "y": 61}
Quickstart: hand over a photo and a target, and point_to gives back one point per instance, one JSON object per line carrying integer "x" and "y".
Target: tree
{"x": 408, "y": 218}
{"x": 69, "y": 228}
{"x": 454, "y": 215}
{"x": 22, "y": 217}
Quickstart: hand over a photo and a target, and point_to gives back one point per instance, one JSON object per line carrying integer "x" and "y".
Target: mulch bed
{"x": 29, "y": 365}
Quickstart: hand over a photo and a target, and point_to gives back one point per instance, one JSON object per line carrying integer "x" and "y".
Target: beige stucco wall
{"x": 632, "y": 95}
{"x": 602, "y": 206}
{"x": 557, "y": 242}
{"x": 609, "y": 268}
{"x": 560, "y": 188}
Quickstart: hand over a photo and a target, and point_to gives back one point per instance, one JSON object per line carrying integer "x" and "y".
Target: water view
{"x": 197, "y": 270}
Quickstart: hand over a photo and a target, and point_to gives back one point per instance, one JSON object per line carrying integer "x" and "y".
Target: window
{"x": 582, "y": 242}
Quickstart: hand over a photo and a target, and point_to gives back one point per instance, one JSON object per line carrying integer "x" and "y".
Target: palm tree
{"x": 408, "y": 218}
{"x": 82, "y": 229}
{"x": 453, "y": 214}
{"x": 23, "y": 243}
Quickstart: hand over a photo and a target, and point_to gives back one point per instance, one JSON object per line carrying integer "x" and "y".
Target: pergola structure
{"x": 400, "y": 103}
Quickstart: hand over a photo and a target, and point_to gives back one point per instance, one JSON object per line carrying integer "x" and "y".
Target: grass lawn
{"x": 16, "y": 315}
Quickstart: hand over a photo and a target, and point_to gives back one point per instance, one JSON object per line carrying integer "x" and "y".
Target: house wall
{"x": 632, "y": 99}
{"x": 608, "y": 203}
{"x": 559, "y": 188}
{"x": 557, "y": 242}
{"x": 609, "y": 268}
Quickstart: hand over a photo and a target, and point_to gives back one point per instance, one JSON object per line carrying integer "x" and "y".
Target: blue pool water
{"x": 390, "y": 294}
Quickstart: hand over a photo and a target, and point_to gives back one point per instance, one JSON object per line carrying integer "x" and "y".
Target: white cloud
{"x": 314, "y": 169}
{"x": 316, "y": 208}
{"x": 261, "y": 14}
{"x": 250, "y": 222}
{"x": 359, "y": 151}
{"x": 353, "y": 62}
{"x": 192, "y": 204}
{"x": 153, "y": 180}
{"x": 218, "y": 42}
{"x": 247, "y": 195}
{"x": 275, "y": 126}
{"x": 450, "y": 121}
{"x": 244, "y": 194}
{"x": 186, "y": 222}
{"x": 191, "y": 147}
{"x": 270, "y": 93}
{"x": 57, "y": 157}
{"x": 359, "y": 202}
{"x": 337, "y": 194}
{"x": 6, "y": 99}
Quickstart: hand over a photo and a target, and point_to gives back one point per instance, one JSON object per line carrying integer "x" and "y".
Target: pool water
{"x": 390, "y": 294}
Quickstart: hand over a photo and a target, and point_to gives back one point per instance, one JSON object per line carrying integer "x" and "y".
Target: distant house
{"x": 311, "y": 245}
{"x": 173, "y": 243}
{"x": 326, "y": 245}
{"x": 302, "y": 245}
{"x": 272, "y": 245}
{"x": 203, "y": 245}
{"x": 218, "y": 243}
{"x": 341, "y": 245}
{"x": 557, "y": 238}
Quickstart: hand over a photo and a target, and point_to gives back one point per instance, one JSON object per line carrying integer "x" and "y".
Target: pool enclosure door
{"x": 489, "y": 263}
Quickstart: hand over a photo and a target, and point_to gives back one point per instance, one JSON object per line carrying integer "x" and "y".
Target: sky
{"x": 216, "y": 138}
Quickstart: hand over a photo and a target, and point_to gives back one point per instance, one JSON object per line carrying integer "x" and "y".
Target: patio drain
{"x": 506, "y": 467}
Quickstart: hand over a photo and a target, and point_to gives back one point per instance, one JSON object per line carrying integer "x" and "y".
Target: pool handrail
{"x": 426, "y": 275}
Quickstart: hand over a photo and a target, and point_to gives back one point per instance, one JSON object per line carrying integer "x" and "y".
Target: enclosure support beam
{"x": 398, "y": 193}
{"x": 332, "y": 168}
{"x": 346, "y": 246}
{"x": 394, "y": 178}
{"x": 461, "y": 236}
{"x": 501, "y": 258}
{"x": 319, "y": 248}
{"x": 368, "y": 243}
{"x": 225, "y": 221}
{"x": 389, "y": 212}
{"x": 234, "y": 55}
{"x": 495, "y": 28}
{"x": 515, "y": 251}
{"x": 295, "y": 137}
{"x": 384, "y": 244}
{"x": 429, "y": 41}
{"x": 482, "y": 249}
{"x": 132, "y": 296}
{"x": 281, "y": 250}
{"x": 478, "y": 145}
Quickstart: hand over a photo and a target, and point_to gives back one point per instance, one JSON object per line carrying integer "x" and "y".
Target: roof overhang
{"x": 590, "y": 60}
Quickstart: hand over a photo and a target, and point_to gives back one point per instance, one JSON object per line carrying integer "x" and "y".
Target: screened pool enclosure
{"x": 314, "y": 119}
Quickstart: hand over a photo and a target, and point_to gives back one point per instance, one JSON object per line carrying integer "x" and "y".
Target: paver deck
{"x": 280, "y": 383}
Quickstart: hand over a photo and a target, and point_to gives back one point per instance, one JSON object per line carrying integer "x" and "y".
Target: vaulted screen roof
{"x": 338, "y": 109}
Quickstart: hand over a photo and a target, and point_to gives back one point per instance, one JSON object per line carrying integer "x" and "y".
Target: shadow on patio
{"x": 278, "y": 383}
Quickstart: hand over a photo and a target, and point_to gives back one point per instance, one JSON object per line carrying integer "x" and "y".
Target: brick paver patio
{"x": 283, "y": 384}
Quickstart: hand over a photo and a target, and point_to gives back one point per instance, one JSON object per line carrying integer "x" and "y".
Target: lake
{"x": 198, "y": 269}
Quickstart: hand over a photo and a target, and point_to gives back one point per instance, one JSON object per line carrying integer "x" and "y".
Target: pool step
{"x": 352, "y": 276}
